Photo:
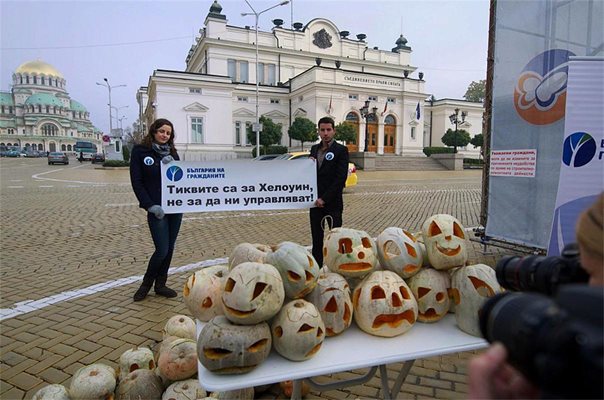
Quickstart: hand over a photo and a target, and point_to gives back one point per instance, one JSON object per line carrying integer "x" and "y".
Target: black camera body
{"x": 556, "y": 342}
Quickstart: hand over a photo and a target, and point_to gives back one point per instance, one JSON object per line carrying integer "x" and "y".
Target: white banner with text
{"x": 235, "y": 185}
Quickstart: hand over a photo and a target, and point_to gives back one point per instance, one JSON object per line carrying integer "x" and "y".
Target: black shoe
{"x": 141, "y": 293}
{"x": 165, "y": 291}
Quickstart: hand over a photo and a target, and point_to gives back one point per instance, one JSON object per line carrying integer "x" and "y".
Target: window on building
{"x": 2, "y": 109}
{"x": 353, "y": 97}
{"x": 27, "y": 79}
{"x": 63, "y": 147}
{"x": 232, "y": 69}
{"x": 195, "y": 90}
{"x": 10, "y": 109}
{"x": 49, "y": 130}
{"x": 248, "y": 126}
{"x": 260, "y": 73}
{"x": 352, "y": 117}
{"x": 412, "y": 133}
{"x": 47, "y": 110}
{"x": 391, "y": 100}
{"x": 272, "y": 74}
{"x": 244, "y": 72}
{"x": 11, "y": 131}
{"x": 372, "y": 98}
{"x": 42, "y": 80}
{"x": 197, "y": 130}
{"x": 35, "y": 80}
{"x": 237, "y": 133}
{"x": 275, "y": 101}
{"x": 242, "y": 98}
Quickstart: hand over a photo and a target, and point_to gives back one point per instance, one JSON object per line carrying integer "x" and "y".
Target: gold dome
{"x": 38, "y": 67}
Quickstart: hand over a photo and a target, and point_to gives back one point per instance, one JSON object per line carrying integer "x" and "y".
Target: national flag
{"x": 329, "y": 108}
{"x": 385, "y": 107}
{"x": 417, "y": 112}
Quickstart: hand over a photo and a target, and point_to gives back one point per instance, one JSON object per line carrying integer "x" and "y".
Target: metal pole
{"x": 455, "y": 134}
{"x": 110, "y": 115}
{"x": 366, "y": 130}
{"x": 257, "y": 89}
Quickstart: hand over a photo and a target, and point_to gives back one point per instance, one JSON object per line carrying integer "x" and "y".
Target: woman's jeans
{"x": 164, "y": 232}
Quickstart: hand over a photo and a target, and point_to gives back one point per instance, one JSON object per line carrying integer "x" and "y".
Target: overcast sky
{"x": 124, "y": 41}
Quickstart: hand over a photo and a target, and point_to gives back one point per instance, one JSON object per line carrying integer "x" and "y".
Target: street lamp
{"x": 257, "y": 127}
{"x": 365, "y": 114}
{"x": 454, "y": 118}
{"x": 117, "y": 111}
{"x": 109, "y": 87}
{"x": 120, "y": 121}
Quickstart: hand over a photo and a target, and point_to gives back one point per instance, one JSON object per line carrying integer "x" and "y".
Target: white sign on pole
{"x": 233, "y": 185}
{"x": 513, "y": 163}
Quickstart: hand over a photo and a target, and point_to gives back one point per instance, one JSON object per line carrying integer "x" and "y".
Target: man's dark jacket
{"x": 331, "y": 176}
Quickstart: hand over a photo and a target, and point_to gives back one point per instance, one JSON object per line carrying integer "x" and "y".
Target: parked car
{"x": 266, "y": 157}
{"x": 351, "y": 180}
{"x": 58, "y": 157}
{"x": 12, "y": 153}
{"x": 98, "y": 158}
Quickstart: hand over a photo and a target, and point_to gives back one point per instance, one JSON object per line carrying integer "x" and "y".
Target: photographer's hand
{"x": 491, "y": 377}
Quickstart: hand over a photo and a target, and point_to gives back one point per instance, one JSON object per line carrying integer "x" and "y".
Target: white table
{"x": 350, "y": 350}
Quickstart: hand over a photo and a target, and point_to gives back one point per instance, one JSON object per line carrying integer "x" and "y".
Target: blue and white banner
{"x": 234, "y": 185}
{"x": 582, "y": 167}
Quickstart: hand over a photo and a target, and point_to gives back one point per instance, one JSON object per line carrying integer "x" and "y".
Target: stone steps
{"x": 407, "y": 163}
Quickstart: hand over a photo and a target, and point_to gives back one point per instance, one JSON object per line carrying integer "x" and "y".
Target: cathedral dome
{"x": 39, "y": 68}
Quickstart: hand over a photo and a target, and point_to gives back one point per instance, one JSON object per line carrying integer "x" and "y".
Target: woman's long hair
{"x": 158, "y": 123}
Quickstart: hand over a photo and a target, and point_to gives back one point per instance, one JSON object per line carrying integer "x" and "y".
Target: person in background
{"x": 81, "y": 157}
{"x": 490, "y": 376}
{"x": 332, "y": 170}
{"x": 145, "y": 175}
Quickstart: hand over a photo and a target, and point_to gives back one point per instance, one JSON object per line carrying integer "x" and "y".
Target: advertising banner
{"x": 235, "y": 185}
{"x": 582, "y": 166}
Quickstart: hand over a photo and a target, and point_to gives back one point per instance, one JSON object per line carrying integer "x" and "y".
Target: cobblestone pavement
{"x": 64, "y": 229}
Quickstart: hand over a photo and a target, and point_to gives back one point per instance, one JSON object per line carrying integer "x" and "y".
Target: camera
{"x": 541, "y": 274}
{"x": 556, "y": 342}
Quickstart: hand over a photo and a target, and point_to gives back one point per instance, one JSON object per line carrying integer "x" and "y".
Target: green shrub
{"x": 116, "y": 163}
{"x": 428, "y": 151}
{"x": 274, "y": 149}
{"x": 126, "y": 153}
{"x": 473, "y": 161}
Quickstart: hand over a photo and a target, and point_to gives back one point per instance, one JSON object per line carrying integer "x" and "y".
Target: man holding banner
{"x": 332, "y": 169}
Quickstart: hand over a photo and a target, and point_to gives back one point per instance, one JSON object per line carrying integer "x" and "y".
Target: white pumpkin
{"x": 181, "y": 326}
{"x": 298, "y": 330}
{"x": 253, "y": 293}
{"x": 133, "y": 359}
{"x": 52, "y": 392}
{"x": 178, "y": 360}
{"x": 331, "y": 296}
{"x": 95, "y": 381}
{"x": 383, "y": 305}
{"x": 399, "y": 252}
{"x": 203, "y": 291}
{"x": 349, "y": 252}
{"x": 140, "y": 384}
{"x": 430, "y": 289}
{"x": 189, "y": 389}
{"x": 298, "y": 268}
{"x": 472, "y": 286}
{"x": 248, "y": 252}
{"x": 226, "y": 348}
{"x": 445, "y": 241}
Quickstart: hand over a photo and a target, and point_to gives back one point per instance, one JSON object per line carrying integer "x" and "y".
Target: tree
{"x": 303, "y": 130}
{"x": 476, "y": 91}
{"x": 463, "y": 138}
{"x": 478, "y": 141}
{"x": 345, "y": 132}
{"x": 271, "y": 134}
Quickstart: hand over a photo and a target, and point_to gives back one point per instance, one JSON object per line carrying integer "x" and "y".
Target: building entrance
{"x": 389, "y": 134}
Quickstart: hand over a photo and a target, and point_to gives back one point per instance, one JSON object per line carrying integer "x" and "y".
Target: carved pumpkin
{"x": 331, "y": 296}
{"x": 203, "y": 291}
{"x": 189, "y": 389}
{"x": 298, "y": 330}
{"x": 138, "y": 358}
{"x": 384, "y": 305}
{"x": 248, "y": 252}
{"x": 298, "y": 268}
{"x": 95, "y": 381}
{"x": 399, "y": 252}
{"x": 288, "y": 388}
{"x": 445, "y": 241}
{"x": 472, "y": 286}
{"x": 253, "y": 293}
{"x": 181, "y": 326}
{"x": 178, "y": 360}
{"x": 52, "y": 392}
{"x": 349, "y": 252}
{"x": 140, "y": 384}
{"x": 226, "y": 348}
{"x": 429, "y": 288}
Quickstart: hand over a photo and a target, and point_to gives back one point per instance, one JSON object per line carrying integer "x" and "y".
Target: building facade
{"x": 38, "y": 113}
{"x": 310, "y": 71}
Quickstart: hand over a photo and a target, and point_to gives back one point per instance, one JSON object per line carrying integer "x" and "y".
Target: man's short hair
{"x": 327, "y": 120}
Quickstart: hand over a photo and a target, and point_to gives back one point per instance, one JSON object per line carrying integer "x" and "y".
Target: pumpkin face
{"x": 189, "y": 389}
{"x": 298, "y": 331}
{"x": 429, "y": 288}
{"x": 203, "y": 291}
{"x": 52, "y": 392}
{"x": 95, "y": 381}
{"x": 131, "y": 360}
{"x": 399, "y": 252}
{"x": 140, "y": 384}
{"x": 383, "y": 305}
{"x": 445, "y": 241}
{"x": 253, "y": 293}
{"x": 331, "y": 296}
{"x": 248, "y": 252}
{"x": 180, "y": 326}
{"x": 298, "y": 268}
{"x": 226, "y": 348}
{"x": 178, "y": 360}
{"x": 349, "y": 252}
{"x": 471, "y": 286}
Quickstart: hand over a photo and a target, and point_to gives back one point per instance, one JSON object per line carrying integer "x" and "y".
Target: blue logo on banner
{"x": 174, "y": 173}
{"x": 579, "y": 149}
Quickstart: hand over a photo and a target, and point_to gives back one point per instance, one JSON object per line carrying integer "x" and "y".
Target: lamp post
{"x": 120, "y": 121}
{"x": 109, "y": 87}
{"x": 454, "y": 118}
{"x": 257, "y": 127}
{"x": 117, "y": 111}
{"x": 365, "y": 114}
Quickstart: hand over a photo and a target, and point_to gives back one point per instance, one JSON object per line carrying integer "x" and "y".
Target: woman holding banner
{"x": 145, "y": 175}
